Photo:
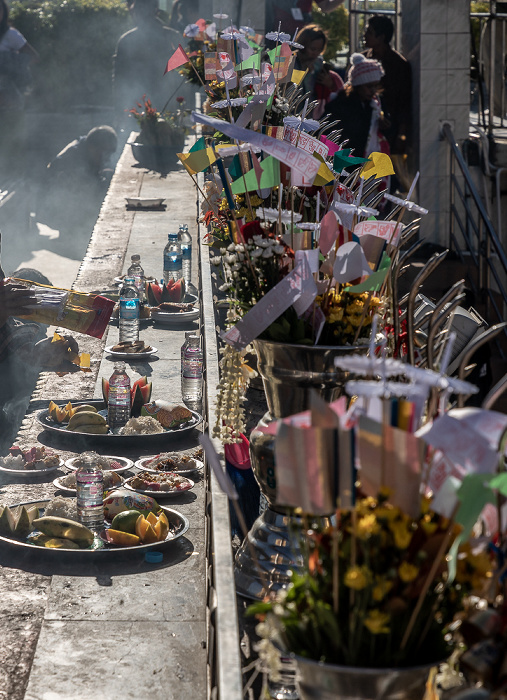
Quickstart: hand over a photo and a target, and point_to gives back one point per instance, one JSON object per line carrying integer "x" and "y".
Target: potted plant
{"x": 162, "y": 134}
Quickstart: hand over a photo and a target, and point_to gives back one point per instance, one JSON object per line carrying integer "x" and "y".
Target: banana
{"x": 64, "y": 528}
{"x": 85, "y": 418}
{"x": 94, "y": 429}
{"x": 83, "y": 407}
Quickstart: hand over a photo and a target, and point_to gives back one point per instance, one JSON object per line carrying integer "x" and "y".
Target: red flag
{"x": 178, "y": 58}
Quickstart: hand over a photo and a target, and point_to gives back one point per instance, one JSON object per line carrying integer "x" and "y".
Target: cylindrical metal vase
{"x": 319, "y": 681}
{"x": 289, "y": 374}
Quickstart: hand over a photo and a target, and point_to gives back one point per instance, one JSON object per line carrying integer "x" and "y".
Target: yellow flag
{"x": 298, "y": 75}
{"x": 197, "y": 161}
{"x": 378, "y": 165}
{"x": 324, "y": 175}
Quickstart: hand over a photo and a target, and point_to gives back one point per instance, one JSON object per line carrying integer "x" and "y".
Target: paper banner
{"x": 382, "y": 229}
{"x": 331, "y": 145}
{"x": 226, "y": 71}
{"x": 350, "y": 263}
{"x": 328, "y": 232}
{"x": 197, "y": 161}
{"x": 211, "y": 65}
{"x": 490, "y": 424}
{"x": 199, "y": 145}
{"x": 375, "y": 280}
{"x": 178, "y": 59}
{"x": 283, "y": 151}
{"x": 309, "y": 290}
{"x": 298, "y": 76}
{"x": 403, "y": 457}
{"x": 378, "y": 165}
{"x": 282, "y": 50}
{"x": 461, "y": 444}
{"x": 270, "y": 177}
{"x": 270, "y": 307}
{"x": 312, "y": 256}
{"x": 305, "y": 141}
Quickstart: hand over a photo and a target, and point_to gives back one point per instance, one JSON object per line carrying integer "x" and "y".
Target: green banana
{"x": 84, "y": 407}
{"x": 64, "y": 528}
{"x": 85, "y": 418}
{"x": 93, "y": 429}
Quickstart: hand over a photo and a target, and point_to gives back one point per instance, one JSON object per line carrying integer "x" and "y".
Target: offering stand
{"x": 125, "y": 627}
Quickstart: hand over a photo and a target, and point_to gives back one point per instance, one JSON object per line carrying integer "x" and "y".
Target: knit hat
{"x": 364, "y": 70}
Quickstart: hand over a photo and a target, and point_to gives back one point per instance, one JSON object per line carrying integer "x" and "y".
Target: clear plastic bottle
{"x": 191, "y": 372}
{"x": 188, "y": 334}
{"x": 136, "y": 271}
{"x": 90, "y": 492}
{"x": 173, "y": 259}
{"x": 129, "y": 311}
{"x": 186, "y": 251}
{"x": 118, "y": 404}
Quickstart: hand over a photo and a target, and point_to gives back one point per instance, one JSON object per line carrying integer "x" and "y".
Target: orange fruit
{"x": 162, "y": 527}
{"x": 152, "y": 519}
{"x": 141, "y": 526}
{"x": 123, "y": 538}
{"x": 150, "y": 535}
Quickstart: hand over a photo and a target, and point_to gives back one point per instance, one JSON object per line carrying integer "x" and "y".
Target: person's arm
{"x": 329, "y": 5}
{"x": 14, "y": 301}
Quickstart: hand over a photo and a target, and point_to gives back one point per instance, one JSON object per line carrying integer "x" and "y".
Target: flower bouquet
{"x": 160, "y": 129}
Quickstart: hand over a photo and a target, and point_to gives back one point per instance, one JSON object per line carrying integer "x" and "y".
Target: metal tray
{"x": 177, "y": 521}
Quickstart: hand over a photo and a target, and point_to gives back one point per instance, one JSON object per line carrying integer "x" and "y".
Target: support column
{"x": 436, "y": 41}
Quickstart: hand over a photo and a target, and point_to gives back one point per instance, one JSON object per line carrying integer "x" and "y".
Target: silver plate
{"x": 68, "y": 489}
{"x": 48, "y": 423}
{"x": 141, "y": 464}
{"x": 178, "y": 522}
{"x": 130, "y": 355}
{"x": 160, "y": 493}
{"x": 32, "y": 472}
{"x": 126, "y": 463}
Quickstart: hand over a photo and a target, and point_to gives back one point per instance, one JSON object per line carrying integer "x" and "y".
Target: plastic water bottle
{"x": 90, "y": 492}
{"x": 191, "y": 371}
{"x": 129, "y": 311}
{"x": 188, "y": 334}
{"x": 285, "y": 687}
{"x": 118, "y": 403}
{"x": 173, "y": 259}
{"x": 186, "y": 251}
{"x": 136, "y": 271}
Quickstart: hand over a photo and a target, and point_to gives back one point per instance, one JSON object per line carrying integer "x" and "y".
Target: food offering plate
{"x": 144, "y": 465}
{"x": 185, "y": 485}
{"x": 130, "y": 355}
{"x": 178, "y": 526}
{"x": 123, "y": 464}
{"x": 61, "y": 483}
{"x": 114, "y": 438}
{"x": 173, "y": 319}
{"x": 32, "y": 472}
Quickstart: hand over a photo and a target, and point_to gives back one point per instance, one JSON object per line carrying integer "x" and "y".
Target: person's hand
{"x": 15, "y": 300}
{"x": 325, "y": 79}
{"x": 51, "y": 354}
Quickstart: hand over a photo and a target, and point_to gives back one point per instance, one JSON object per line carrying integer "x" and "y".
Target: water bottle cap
{"x": 129, "y": 279}
{"x": 153, "y": 557}
{"x": 135, "y": 258}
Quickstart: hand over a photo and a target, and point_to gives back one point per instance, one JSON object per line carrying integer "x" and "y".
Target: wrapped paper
{"x": 77, "y": 311}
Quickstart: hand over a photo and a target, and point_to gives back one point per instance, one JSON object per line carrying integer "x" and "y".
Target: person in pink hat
{"x": 358, "y": 107}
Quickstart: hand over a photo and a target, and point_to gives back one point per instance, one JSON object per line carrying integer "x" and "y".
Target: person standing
{"x": 16, "y": 54}
{"x": 321, "y": 80}
{"x": 358, "y": 107}
{"x": 294, "y": 14}
{"x": 396, "y": 82}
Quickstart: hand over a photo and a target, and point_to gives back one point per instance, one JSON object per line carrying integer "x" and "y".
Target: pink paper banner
{"x": 305, "y": 141}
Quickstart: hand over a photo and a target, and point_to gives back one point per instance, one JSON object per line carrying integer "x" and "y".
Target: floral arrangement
{"x": 159, "y": 128}
{"x": 374, "y": 591}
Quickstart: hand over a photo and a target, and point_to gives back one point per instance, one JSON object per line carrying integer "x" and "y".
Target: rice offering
{"x": 103, "y": 462}
{"x": 62, "y": 508}
{"x": 144, "y": 425}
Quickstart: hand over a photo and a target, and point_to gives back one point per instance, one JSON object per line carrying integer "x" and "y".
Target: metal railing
{"x": 474, "y": 238}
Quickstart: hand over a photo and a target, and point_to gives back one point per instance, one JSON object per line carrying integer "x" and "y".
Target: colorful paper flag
{"x": 378, "y": 165}
{"x": 197, "y": 161}
{"x": 178, "y": 59}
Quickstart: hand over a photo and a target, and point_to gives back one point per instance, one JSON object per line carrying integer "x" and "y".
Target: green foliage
{"x": 76, "y": 40}
{"x": 336, "y": 26}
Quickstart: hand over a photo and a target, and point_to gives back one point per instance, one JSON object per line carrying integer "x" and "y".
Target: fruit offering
{"x": 88, "y": 422}
{"x": 122, "y": 499}
{"x": 172, "y": 291}
{"x": 132, "y": 528}
{"x": 132, "y": 347}
{"x": 17, "y": 522}
{"x": 62, "y": 414}
{"x": 140, "y": 393}
{"x": 62, "y": 528}
{"x": 169, "y": 482}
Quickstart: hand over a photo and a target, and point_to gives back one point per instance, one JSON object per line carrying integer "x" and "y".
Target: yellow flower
{"x": 366, "y": 505}
{"x": 367, "y": 526}
{"x": 402, "y": 535}
{"x": 357, "y": 577}
{"x": 407, "y": 572}
{"x": 377, "y": 622}
{"x": 428, "y": 526}
{"x": 381, "y": 589}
